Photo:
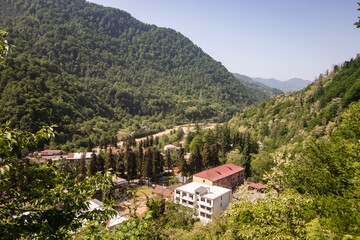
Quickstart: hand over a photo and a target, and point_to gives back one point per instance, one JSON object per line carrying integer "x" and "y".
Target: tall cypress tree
{"x": 181, "y": 161}
{"x": 246, "y": 160}
{"x": 214, "y": 155}
{"x": 130, "y": 163}
{"x": 100, "y": 162}
{"x": 195, "y": 164}
{"x": 207, "y": 156}
{"x": 146, "y": 168}
{"x": 140, "y": 157}
{"x": 151, "y": 141}
{"x": 110, "y": 161}
{"x": 157, "y": 163}
{"x": 120, "y": 168}
{"x": 92, "y": 166}
{"x": 82, "y": 168}
{"x": 90, "y": 145}
{"x": 168, "y": 160}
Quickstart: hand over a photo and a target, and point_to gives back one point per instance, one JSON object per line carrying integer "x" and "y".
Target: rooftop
{"x": 219, "y": 172}
{"x": 214, "y": 191}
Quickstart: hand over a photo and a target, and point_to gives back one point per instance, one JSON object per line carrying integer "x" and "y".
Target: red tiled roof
{"x": 114, "y": 151}
{"x": 167, "y": 192}
{"x": 255, "y": 185}
{"x": 50, "y": 151}
{"x": 158, "y": 190}
{"x": 219, "y": 172}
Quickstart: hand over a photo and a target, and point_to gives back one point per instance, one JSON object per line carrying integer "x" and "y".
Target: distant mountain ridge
{"x": 293, "y": 84}
{"x": 262, "y": 91}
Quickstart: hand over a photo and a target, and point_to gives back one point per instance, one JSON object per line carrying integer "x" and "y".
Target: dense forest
{"x": 289, "y": 122}
{"x": 115, "y": 68}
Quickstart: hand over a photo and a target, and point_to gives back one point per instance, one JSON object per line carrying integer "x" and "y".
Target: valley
{"x": 112, "y": 128}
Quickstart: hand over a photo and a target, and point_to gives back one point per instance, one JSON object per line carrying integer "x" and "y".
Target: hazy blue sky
{"x": 260, "y": 38}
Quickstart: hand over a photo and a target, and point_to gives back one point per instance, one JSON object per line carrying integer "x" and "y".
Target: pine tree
{"x": 115, "y": 141}
{"x": 214, "y": 155}
{"x": 182, "y": 165}
{"x": 157, "y": 163}
{"x": 82, "y": 168}
{"x": 101, "y": 143}
{"x": 195, "y": 164}
{"x": 168, "y": 160}
{"x": 90, "y": 145}
{"x": 140, "y": 157}
{"x": 157, "y": 141}
{"x": 120, "y": 168}
{"x": 246, "y": 160}
{"x": 130, "y": 163}
{"x": 151, "y": 141}
{"x": 207, "y": 156}
{"x": 226, "y": 140}
{"x": 110, "y": 161}
{"x": 147, "y": 142}
{"x": 92, "y": 166}
{"x": 146, "y": 168}
{"x": 100, "y": 162}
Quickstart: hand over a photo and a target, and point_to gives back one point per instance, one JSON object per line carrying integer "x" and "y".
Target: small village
{"x": 207, "y": 192}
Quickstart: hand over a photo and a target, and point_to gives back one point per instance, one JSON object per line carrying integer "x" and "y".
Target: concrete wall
{"x": 202, "y": 180}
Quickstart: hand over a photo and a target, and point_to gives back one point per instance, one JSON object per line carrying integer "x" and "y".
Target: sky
{"x": 279, "y": 39}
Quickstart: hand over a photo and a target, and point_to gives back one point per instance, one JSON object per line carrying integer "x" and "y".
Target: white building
{"x": 171, "y": 147}
{"x": 206, "y": 199}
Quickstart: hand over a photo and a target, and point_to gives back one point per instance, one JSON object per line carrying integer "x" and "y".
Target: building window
{"x": 220, "y": 204}
{"x": 203, "y": 181}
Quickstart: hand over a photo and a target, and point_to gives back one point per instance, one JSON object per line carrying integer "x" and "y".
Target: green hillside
{"x": 289, "y": 122}
{"x": 117, "y": 68}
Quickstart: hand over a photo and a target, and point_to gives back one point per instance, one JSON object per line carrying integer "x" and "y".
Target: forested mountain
{"x": 87, "y": 67}
{"x": 293, "y": 84}
{"x": 289, "y": 122}
{"x": 262, "y": 91}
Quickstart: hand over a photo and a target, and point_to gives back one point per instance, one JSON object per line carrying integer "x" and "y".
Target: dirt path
{"x": 186, "y": 127}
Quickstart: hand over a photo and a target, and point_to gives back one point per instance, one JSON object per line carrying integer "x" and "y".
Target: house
{"x": 168, "y": 192}
{"x": 51, "y": 152}
{"x": 77, "y": 156}
{"x": 114, "y": 151}
{"x": 227, "y": 175}
{"x": 171, "y": 147}
{"x": 207, "y": 200}
{"x": 255, "y": 186}
{"x": 53, "y": 158}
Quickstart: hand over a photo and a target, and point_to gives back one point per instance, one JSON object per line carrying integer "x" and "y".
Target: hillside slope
{"x": 288, "y": 122}
{"x": 131, "y": 68}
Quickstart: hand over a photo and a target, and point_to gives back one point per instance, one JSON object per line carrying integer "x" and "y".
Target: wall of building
{"x": 202, "y": 180}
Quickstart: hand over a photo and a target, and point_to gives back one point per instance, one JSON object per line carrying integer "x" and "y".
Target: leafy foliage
{"x": 41, "y": 201}
{"x": 92, "y": 66}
